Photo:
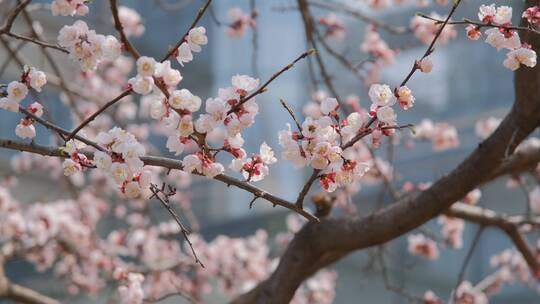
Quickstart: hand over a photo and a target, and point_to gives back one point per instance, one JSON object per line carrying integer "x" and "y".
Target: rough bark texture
{"x": 318, "y": 245}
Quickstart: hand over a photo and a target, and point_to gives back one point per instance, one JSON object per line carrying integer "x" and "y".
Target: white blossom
{"x": 196, "y": 38}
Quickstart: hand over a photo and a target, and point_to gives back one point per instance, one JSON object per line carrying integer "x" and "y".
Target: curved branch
{"x": 6, "y": 27}
{"x": 508, "y": 224}
{"x": 120, "y": 29}
{"x": 18, "y": 293}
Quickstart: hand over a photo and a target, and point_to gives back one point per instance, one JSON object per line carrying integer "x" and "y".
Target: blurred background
{"x": 468, "y": 83}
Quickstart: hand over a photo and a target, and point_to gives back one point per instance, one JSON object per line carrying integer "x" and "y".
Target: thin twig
{"x": 38, "y": 42}
{"x": 308, "y": 28}
{"x": 301, "y": 196}
{"x": 262, "y": 88}
{"x": 334, "y": 6}
{"x": 169, "y": 295}
{"x": 254, "y": 39}
{"x": 468, "y": 257}
{"x": 291, "y": 112}
{"x": 166, "y": 203}
{"x": 201, "y": 12}
{"x": 432, "y": 44}
{"x": 480, "y": 25}
{"x": 98, "y": 112}
{"x": 62, "y": 132}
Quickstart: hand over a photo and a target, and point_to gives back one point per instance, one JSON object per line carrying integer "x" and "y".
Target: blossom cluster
{"x": 255, "y": 168}
{"x": 223, "y": 120}
{"x": 511, "y": 267}
{"x": 25, "y": 128}
{"x": 86, "y": 46}
{"x": 151, "y": 73}
{"x": 232, "y": 265}
{"x": 381, "y": 53}
{"x": 240, "y": 22}
{"x": 231, "y": 111}
{"x": 122, "y": 161}
{"x": 319, "y": 144}
{"x": 502, "y": 36}
{"x": 326, "y": 142}
{"x": 51, "y": 234}
{"x": 69, "y": 7}
{"x": 383, "y": 99}
{"x": 131, "y": 292}
{"x": 192, "y": 43}
{"x": 375, "y": 46}
{"x": 443, "y": 136}
{"x": 17, "y": 90}
{"x": 77, "y": 160}
{"x": 467, "y": 293}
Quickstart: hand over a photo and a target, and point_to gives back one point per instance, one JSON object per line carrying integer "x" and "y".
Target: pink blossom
{"x": 426, "y": 29}
{"x": 422, "y": 246}
{"x": 239, "y": 22}
{"x": 484, "y": 128}
{"x": 534, "y": 200}
{"x": 473, "y": 32}
{"x": 425, "y": 65}
{"x": 532, "y": 14}
{"x": 131, "y": 21}
{"x": 334, "y": 26}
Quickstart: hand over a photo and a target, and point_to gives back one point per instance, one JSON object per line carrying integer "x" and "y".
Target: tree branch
{"x": 508, "y": 224}
{"x": 169, "y": 164}
{"x": 20, "y": 293}
{"x": 120, "y": 29}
